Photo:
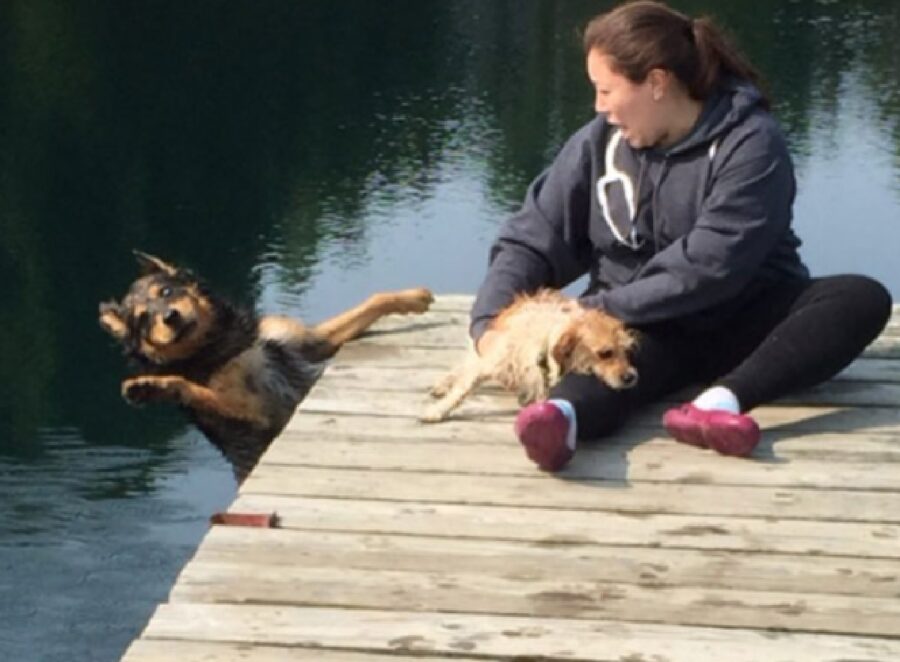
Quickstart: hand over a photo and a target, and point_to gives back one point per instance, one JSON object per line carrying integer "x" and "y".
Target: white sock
{"x": 569, "y": 412}
{"x": 718, "y": 397}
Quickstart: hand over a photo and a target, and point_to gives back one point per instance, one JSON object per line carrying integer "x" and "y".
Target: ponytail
{"x": 644, "y": 35}
{"x": 717, "y": 58}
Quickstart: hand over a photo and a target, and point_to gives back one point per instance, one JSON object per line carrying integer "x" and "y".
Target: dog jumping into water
{"x": 239, "y": 376}
{"x": 539, "y": 338}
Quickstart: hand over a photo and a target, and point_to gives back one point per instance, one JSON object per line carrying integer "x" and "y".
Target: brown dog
{"x": 240, "y": 377}
{"x": 538, "y": 339}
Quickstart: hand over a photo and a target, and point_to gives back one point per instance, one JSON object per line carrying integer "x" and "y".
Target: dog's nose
{"x": 172, "y": 318}
{"x": 629, "y": 378}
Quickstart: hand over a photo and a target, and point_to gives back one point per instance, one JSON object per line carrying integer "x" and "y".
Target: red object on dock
{"x": 270, "y": 521}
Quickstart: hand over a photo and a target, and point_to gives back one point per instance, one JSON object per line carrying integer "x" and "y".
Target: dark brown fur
{"x": 239, "y": 376}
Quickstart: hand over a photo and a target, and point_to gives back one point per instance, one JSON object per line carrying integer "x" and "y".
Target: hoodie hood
{"x": 734, "y": 101}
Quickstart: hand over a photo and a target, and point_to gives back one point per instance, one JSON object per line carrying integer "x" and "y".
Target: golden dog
{"x": 539, "y": 338}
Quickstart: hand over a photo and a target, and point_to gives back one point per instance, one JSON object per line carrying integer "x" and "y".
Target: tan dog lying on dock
{"x": 538, "y": 339}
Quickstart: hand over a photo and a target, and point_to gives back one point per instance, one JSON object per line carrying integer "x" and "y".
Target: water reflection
{"x": 299, "y": 156}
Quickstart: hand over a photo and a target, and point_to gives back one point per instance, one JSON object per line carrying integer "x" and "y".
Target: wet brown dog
{"x": 539, "y": 338}
{"x": 239, "y": 376}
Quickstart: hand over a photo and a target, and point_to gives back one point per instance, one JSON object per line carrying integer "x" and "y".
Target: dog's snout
{"x": 172, "y": 317}
{"x": 629, "y": 378}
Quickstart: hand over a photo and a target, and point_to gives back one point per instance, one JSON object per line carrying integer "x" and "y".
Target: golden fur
{"x": 239, "y": 376}
{"x": 539, "y": 338}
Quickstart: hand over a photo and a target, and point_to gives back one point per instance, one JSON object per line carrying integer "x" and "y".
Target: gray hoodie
{"x": 706, "y": 223}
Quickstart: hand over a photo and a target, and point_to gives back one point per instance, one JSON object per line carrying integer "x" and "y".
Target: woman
{"x": 676, "y": 199}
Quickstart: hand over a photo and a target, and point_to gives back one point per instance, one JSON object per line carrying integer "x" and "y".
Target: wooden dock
{"x": 402, "y": 540}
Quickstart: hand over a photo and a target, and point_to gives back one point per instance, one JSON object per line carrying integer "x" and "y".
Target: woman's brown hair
{"x": 645, "y": 35}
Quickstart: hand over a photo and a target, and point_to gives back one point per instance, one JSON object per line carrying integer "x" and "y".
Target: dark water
{"x": 301, "y": 155}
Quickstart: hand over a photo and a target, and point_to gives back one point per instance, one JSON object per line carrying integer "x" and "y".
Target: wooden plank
{"x": 774, "y": 446}
{"x": 418, "y": 379}
{"x": 450, "y": 590}
{"x": 601, "y": 496}
{"x": 383, "y": 354}
{"x": 462, "y": 302}
{"x": 665, "y": 462}
{"x": 444, "y": 352}
{"x": 642, "y": 566}
{"x": 503, "y": 636}
{"x": 561, "y": 526}
{"x": 435, "y": 328}
{"x": 781, "y": 425}
{"x": 161, "y": 650}
{"x": 878, "y": 441}
{"x": 788, "y": 421}
{"x": 374, "y": 401}
{"x": 860, "y": 394}
{"x": 447, "y": 327}
{"x": 453, "y": 302}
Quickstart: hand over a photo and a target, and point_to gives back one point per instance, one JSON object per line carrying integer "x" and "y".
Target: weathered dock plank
{"x": 502, "y": 637}
{"x": 495, "y": 593}
{"x": 593, "y": 495}
{"x": 172, "y": 650}
{"x": 577, "y": 527}
{"x": 661, "y": 462}
{"x": 404, "y": 540}
{"x": 523, "y": 560}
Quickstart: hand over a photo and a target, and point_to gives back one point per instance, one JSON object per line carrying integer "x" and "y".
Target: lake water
{"x": 301, "y": 155}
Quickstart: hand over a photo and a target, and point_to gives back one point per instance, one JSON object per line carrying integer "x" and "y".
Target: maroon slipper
{"x": 724, "y": 432}
{"x": 542, "y": 429}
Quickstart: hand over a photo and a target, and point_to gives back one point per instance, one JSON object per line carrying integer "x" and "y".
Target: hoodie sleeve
{"x": 741, "y": 222}
{"x": 546, "y": 243}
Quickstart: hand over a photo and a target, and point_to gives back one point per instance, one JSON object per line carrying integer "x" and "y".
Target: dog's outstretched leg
{"x": 113, "y": 321}
{"x": 472, "y": 373}
{"x": 348, "y": 325}
{"x": 175, "y": 389}
{"x": 444, "y": 384}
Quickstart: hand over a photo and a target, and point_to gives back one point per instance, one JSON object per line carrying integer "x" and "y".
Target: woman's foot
{"x": 547, "y": 432}
{"x": 722, "y": 431}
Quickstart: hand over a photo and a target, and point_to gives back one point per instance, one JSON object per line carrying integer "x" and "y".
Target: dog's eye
{"x": 165, "y": 291}
{"x": 605, "y": 354}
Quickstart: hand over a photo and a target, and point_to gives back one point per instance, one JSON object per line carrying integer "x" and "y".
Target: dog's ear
{"x": 564, "y": 346}
{"x": 112, "y": 321}
{"x": 631, "y": 338}
{"x": 150, "y": 264}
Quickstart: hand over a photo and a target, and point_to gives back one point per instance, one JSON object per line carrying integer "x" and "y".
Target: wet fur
{"x": 539, "y": 338}
{"x": 239, "y": 376}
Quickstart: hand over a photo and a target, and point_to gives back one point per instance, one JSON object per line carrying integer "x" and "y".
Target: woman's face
{"x": 633, "y": 107}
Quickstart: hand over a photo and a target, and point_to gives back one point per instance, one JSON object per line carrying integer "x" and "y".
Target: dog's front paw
{"x": 442, "y": 387}
{"x": 416, "y": 300}
{"x": 433, "y": 414}
{"x": 111, "y": 320}
{"x": 438, "y": 391}
{"x": 527, "y": 396}
{"x": 140, "y": 390}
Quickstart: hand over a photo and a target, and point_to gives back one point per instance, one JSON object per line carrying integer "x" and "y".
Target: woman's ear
{"x": 659, "y": 81}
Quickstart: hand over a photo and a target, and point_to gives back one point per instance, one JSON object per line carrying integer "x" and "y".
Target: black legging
{"x": 790, "y": 337}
